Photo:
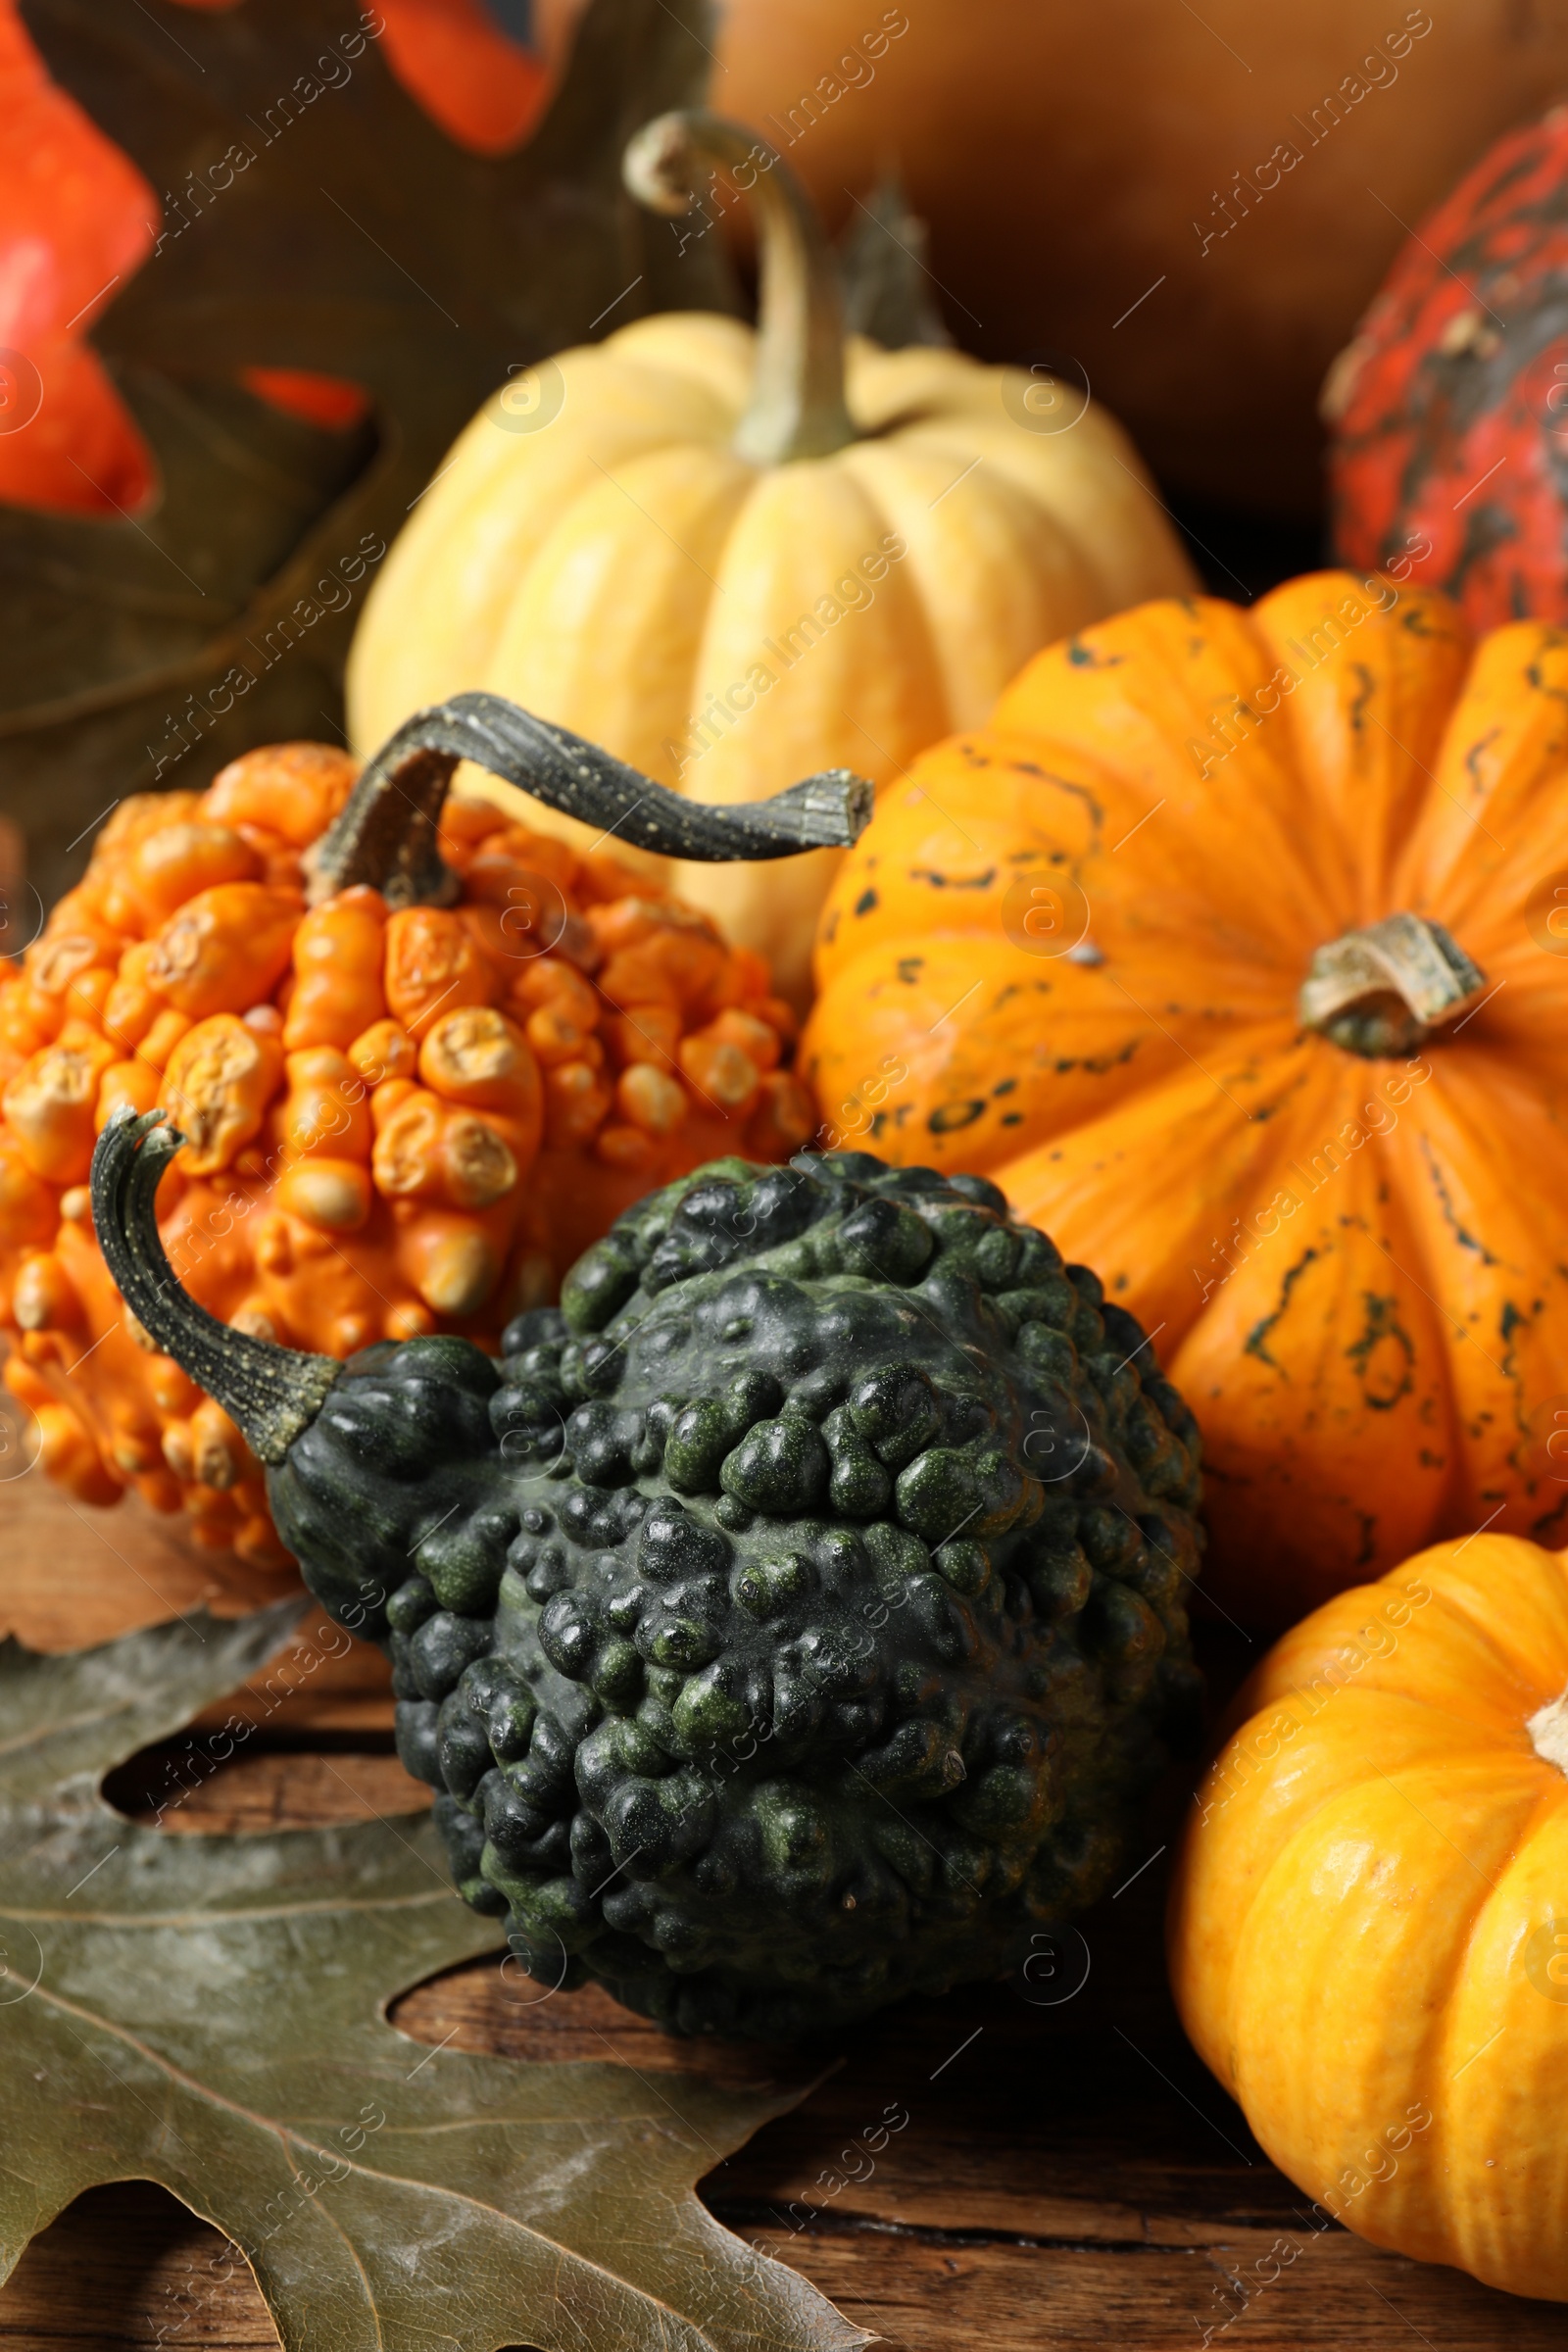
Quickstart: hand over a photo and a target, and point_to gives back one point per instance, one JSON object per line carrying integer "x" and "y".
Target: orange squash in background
{"x": 1368, "y": 1930}
{"x": 1234, "y": 949}
{"x": 400, "y": 1118}
{"x": 76, "y": 219}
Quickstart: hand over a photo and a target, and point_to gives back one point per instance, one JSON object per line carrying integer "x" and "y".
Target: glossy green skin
{"x": 795, "y": 1619}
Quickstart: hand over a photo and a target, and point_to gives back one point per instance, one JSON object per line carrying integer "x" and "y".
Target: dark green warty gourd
{"x": 791, "y": 1620}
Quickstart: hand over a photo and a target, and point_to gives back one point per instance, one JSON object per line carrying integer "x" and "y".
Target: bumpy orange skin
{"x": 1353, "y": 1269}
{"x": 397, "y": 1123}
{"x": 1368, "y": 1931}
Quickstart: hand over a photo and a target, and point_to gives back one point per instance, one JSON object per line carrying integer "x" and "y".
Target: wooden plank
{"x": 72, "y": 1576}
{"x": 1337, "y": 2295}
{"x": 127, "y": 2267}
{"x": 76, "y": 1573}
{"x": 181, "y": 1786}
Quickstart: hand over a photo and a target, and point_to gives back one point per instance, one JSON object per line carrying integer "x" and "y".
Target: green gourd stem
{"x": 386, "y": 834}
{"x": 1384, "y": 990}
{"x": 272, "y": 1392}
{"x": 797, "y": 408}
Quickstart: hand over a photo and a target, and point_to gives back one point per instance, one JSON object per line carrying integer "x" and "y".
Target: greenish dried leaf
{"x": 209, "y": 2013}
{"x": 359, "y": 242}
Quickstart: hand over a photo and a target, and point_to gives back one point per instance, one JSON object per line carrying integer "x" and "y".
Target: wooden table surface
{"x": 1069, "y": 2172}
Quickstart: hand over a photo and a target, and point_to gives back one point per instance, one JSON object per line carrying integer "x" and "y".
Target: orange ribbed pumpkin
{"x": 400, "y": 1120}
{"x": 1236, "y": 951}
{"x": 1369, "y": 1924}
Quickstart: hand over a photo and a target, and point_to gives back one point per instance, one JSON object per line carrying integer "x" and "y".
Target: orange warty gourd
{"x": 1368, "y": 1931}
{"x": 401, "y": 1117}
{"x": 1234, "y": 949}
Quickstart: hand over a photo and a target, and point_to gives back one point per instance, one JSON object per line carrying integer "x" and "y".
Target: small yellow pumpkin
{"x": 1369, "y": 1922}
{"x": 733, "y": 558}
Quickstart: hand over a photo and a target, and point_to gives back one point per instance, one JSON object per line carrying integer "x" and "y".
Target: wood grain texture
{"x": 998, "y": 2167}
{"x": 72, "y": 1576}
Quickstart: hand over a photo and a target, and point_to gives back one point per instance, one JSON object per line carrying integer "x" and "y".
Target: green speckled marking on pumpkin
{"x": 1258, "y": 1337}
{"x": 948, "y": 1117}
{"x": 1366, "y": 688}
{"x": 1472, "y": 758}
{"x": 939, "y": 881}
{"x": 1462, "y": 1234}
{"x": 1381, "y": 1324}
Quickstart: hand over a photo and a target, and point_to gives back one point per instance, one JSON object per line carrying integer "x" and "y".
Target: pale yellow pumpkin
{"x": 733, "y": 558}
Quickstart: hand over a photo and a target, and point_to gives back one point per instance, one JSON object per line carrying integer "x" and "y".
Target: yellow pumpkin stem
{"x": 1383, "y": 988}
{"x": 797, "y": 408}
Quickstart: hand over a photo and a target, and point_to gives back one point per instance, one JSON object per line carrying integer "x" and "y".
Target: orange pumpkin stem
{"x": 1384, "y": 990}
{"x": 797, "y": 408}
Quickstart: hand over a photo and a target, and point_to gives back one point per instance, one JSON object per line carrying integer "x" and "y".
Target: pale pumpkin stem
{"x": 1549, "y": 1732}
{"x": 797, "y": 408}
{"x": 272, "y": 1392}
{"x": 1384, "y": 989}
{"x": 386, "y": 835}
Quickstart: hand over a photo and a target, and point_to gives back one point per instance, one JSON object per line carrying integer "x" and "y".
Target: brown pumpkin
{"x": 1231, "y": 952}
{"x": 1242, "y": 176}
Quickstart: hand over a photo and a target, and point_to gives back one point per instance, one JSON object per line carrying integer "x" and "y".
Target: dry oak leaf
{"x": 209, "y": 2013}
{"x": 313, "y": 219}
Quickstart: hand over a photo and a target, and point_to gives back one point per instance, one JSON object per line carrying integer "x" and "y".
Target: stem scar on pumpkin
{"x": 1381, "y": 990}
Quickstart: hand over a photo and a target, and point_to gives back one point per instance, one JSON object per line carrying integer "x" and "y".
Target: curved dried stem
{"x": 272, "y": 1393}
{"x": 796, "y": 407}
{"x": 386, "y": 835}
{"x": 1384, "y": 989}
